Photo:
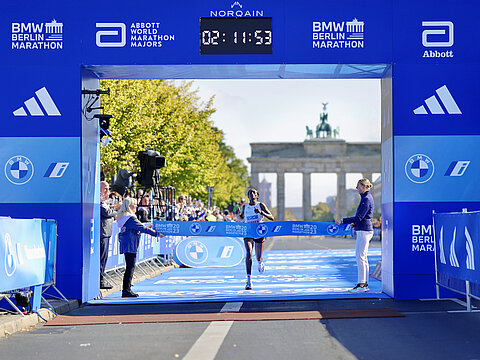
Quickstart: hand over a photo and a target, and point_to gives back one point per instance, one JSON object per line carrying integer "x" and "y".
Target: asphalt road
{"x": 428, "y": 331}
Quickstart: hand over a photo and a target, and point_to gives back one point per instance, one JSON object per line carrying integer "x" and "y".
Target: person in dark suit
{"x": 108, "y": 211}
{"x": 129, "y": 238}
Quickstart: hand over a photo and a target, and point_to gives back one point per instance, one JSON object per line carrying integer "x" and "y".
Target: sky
{"x": 278, "y": 110}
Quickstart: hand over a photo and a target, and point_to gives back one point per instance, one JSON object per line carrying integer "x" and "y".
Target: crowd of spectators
{"x": 184, "y": 208}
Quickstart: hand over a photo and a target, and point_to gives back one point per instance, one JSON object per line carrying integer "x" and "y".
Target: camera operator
{"x": 108, "y": 211}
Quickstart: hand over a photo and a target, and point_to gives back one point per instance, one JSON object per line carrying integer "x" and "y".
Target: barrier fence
{"x": 457, "y": 257}
{"x": 27, "y": 249}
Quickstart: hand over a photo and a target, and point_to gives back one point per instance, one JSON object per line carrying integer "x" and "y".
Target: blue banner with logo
{"x": 252, "y": 230}
{"x": 457, "y": 242}
{"x": 40, "y": 170}
{"x": 22, "y": 252}
{"x": 203, "y": 251}
{"x": 436, "y": 168}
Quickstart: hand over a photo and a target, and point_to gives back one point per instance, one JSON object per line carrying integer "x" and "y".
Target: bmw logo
{"x": 419, "y": 168}
{"x": 332, "y": 229}
{"x": 195, "y": 228}
{"x": 19, "y": 170}
{"x": 262, "y": 230}
{"x": 196, "y": 252}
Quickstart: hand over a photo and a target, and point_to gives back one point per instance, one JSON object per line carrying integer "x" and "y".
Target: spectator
{"x": 129, "y": 239}
{"x": 108, "y": 210}
{"x": 210, "y": 216}
{"x": 226, "y": 216}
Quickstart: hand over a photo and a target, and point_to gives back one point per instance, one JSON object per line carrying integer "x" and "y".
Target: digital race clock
{"x": 241, "y": 35}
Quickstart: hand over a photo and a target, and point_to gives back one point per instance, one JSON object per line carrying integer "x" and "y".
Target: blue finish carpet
{"x": 289, "y": 275}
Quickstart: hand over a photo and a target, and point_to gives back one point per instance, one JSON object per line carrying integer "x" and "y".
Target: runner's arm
{"x": 265, "y": 212}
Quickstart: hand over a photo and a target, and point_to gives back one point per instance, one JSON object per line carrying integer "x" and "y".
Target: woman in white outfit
{"x": 362, "y": 222}
{"x": 253, "y": 212}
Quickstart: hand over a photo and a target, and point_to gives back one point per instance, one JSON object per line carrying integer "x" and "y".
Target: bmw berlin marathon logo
{"x": 19, "y": 170}
{"x": 419, "y": 168}
{"x": 196, "y": 252}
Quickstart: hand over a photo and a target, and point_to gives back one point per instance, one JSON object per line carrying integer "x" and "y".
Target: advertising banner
{"x": 22, "y": 252}
{"x": 252, "y": 230}
{"x": 202, "y": 251}
{"x": 457, "y": 241}
{"x": 426, "y": 167}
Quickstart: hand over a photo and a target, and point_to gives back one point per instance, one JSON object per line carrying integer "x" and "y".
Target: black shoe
{"x": 128, "y": 293}
{"x": 106, "y": 286}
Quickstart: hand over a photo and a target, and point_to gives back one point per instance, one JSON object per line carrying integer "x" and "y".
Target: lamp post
{"x": 210, "y": 192}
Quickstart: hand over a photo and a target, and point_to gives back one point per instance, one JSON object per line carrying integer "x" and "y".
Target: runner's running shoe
{"x": 359, "y": 288}
{"x": 261, "y": 267}
{"x": 248, "y": 286}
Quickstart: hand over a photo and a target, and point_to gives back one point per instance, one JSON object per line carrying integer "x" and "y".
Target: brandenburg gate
{"x": 319, "y": 155}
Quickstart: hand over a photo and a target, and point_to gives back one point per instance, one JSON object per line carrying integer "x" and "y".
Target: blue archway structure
{"x": 422, "y": 51}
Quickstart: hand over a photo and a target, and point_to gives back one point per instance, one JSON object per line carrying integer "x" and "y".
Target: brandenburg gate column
{"x": 341, "y": 202}
{"x": 307, "y": 197}
{"x": 280, "y": 196}
{"x": 254, "y": 181}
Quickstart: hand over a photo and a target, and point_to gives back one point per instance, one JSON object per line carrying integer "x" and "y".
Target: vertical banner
{"x": 457, "y": 241}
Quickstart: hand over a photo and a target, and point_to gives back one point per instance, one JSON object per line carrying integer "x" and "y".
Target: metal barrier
{"x": 457, "y": 268}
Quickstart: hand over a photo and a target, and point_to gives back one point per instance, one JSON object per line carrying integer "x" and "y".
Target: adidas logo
{"x": 434, "y": 105}
{"x": 34, "y": 108}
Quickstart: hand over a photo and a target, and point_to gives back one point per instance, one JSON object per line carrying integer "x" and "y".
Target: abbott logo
{"x": 116, "y": 30}
{"x": 434, "y": 105}
{"x": 437, "y": 28}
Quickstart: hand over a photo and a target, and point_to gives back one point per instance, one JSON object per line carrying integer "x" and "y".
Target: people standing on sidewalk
{"x": 253, "y": 212}
{"x": 108, "y": 211}
{"x": 129, "y": 238}
{"x": 362, "y": 222}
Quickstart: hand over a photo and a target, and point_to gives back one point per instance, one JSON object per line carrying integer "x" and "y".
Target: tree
{"x": 321, "y": 212}
{"x": 170, "y": 119}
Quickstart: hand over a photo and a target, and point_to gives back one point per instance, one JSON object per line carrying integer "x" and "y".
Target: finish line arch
{"x": 421, "y": 51}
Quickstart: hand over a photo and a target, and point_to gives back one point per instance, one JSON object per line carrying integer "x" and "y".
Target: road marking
{"x": 208, "y": 344}
{"x": 232, "y": 307}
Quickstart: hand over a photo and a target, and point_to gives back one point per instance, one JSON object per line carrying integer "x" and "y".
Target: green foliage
{"x": 171, "y": 119}
{"x": 321, "y": 212}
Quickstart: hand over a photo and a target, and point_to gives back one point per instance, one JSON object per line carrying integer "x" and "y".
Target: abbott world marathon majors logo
{"x": 419, "y": 168}
{"x": 19, "y": 169}
{"x": 338, "y": 35}
{"x": 140, "y": 35}
{"x": 196, "y": 252}
{"x": 37, "y": 36}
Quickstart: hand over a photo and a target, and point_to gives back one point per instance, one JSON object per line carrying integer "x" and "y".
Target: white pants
{"x": 361, "y": 249}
